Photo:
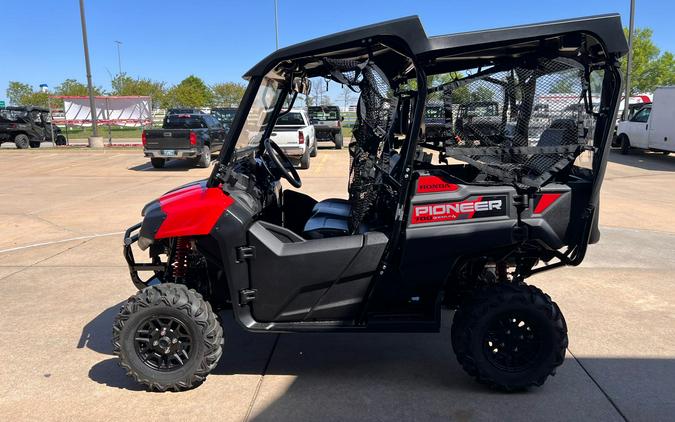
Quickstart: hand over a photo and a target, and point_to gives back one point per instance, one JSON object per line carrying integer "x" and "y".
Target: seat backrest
{"x": 561, "y": 132}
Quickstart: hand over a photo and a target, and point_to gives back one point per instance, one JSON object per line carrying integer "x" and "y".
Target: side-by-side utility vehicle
{"x": 461, "y": 224}
{"x": 28, "y": 127}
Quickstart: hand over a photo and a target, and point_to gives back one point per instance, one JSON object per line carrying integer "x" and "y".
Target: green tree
{"x": 39, "y": 99}
{"x": 228, "y": 93}
{"x": 482, "y": 93}
{"x": 566, "y": 83}
{"x": 190, "y": 92}
{"x": 125, "y": 85}
{"x": 71, "y": 87}
{"x": 16, "y": 91}
{"x": 650, "y": 68}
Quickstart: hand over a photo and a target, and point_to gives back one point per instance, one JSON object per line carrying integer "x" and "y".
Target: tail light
{"x": 301, "y": 138}
{"x": 193, "y": 138}
{"x": 143, "y": 138}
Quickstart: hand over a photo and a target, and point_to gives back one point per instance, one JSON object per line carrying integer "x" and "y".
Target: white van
{"x": 653, "y": 127}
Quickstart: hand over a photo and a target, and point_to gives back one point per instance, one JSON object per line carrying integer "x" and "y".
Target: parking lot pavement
{"x": 63, "y": 279}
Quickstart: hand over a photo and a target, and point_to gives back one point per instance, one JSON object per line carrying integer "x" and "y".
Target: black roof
{"x": 606, "y": 29}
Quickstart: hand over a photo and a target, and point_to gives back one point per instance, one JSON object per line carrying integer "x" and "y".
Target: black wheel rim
{"x": 513, "y": 342}
{"x": 163, "y": 343}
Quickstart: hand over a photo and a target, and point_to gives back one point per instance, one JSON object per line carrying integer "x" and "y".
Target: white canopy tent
{"x": 110, "y": 111}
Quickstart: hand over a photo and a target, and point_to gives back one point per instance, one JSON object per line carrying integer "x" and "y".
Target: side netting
{"x": 518, "y": 125}
{"x": 371, "y": 133}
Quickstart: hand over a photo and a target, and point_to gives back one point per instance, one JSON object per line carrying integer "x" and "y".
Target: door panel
{"x": 291, "y": 274}
{"x": 638, "y": 129}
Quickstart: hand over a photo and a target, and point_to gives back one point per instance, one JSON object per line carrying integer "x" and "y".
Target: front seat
{"x": 561, "y": 132}
{"x": 342, "y": 208}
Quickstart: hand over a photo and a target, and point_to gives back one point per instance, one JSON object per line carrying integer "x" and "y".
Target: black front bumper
{"x": 156, "y": 266}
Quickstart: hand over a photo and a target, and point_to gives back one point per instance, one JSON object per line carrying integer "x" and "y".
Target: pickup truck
{"x": 327, "y": 124}
{"x": 184, "y": 136}
{"x": 295, "y": 134}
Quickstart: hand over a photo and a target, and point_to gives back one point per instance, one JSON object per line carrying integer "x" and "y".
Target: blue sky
{"x": 219, "y": 40}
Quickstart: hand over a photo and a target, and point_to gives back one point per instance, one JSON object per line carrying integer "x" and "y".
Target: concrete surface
{"x": 63, "y": 278}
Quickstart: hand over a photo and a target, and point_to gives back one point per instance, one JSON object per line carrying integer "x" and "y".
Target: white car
{"x": 295, "y": 134}
{"x": 651, "y": 128}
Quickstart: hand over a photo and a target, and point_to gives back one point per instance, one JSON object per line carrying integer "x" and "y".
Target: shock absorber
{"x": 180, "y": 258}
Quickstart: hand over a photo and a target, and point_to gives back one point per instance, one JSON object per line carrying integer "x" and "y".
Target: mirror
{"x": 302, "y": 85}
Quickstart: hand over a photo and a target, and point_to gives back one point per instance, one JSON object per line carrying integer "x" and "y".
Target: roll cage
{"x": 409, "y": 60}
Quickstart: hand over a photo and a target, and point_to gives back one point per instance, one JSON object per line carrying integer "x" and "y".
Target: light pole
{"x": 276, "y": 22}
{"x": 94, "y": 140}
{"x": 119, "y": 57}
{"x": 629, "y": 60}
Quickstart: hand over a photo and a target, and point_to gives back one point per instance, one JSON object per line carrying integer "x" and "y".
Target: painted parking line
{"x": 35, "y": 245}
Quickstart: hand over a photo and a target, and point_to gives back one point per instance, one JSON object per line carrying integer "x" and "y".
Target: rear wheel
{"x": 304, "y": 160}
{"x": 509, "y": 336}
{"x": 157, "y": 162}
{"x": 60, "y": 140}
{"x": 624, "y": 144}
{"x": 315, "y": 149}
{"x": 204, "y": 159}
{"x": 338, "y": 140}
{"x": 21, "y": 141}
{"x": 167, "y": 337}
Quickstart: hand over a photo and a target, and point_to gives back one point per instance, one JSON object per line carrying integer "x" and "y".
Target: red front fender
{"x": 191, "y": 211}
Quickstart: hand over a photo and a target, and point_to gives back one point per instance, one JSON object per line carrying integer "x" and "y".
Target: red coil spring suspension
{"x": 180, "y": 257}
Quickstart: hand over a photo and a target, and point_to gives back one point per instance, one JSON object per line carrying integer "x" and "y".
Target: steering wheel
{"x": 283, "y": 163}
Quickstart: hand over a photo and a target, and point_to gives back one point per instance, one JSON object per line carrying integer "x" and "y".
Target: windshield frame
{"x": 240, "y": 119}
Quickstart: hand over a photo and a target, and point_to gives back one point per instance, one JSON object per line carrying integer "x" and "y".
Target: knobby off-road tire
{"x": 183, "y": 307}
{"x": 525, "y": 318}
{"x": 21, "y": 141}
{"x": 157, "y": 162}
{"x": 204, "y": 159}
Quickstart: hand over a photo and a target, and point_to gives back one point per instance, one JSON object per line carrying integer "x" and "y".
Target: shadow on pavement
{"x": 645, "y": 160}
{"x": 172, "y": 165}
{"x": 391, "y": 390}
{"x": 407, "y": 377}
{"x": 96, "y": 334}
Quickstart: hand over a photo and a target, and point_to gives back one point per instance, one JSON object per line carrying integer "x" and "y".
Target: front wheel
{"x": 21, "y": 141}
{"x": 509, "y": 336}
{"x": 167, "y": 337}
{"x": 624, "y": 143}
{"x": 61, "y": 140}
{"x": 34, "y": 144}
